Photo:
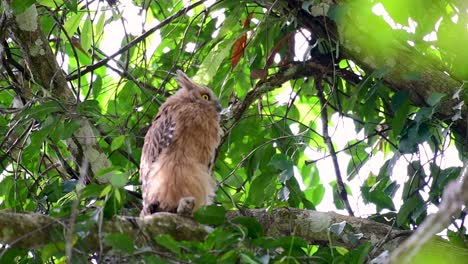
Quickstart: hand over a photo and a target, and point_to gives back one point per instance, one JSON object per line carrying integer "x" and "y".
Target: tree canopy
{"x": 316, "y": 94}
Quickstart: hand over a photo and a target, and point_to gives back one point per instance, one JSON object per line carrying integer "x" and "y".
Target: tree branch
{"x": 326, "y": 137}
{"x": 18, "y": 229}
{"x": 455, "y": 196}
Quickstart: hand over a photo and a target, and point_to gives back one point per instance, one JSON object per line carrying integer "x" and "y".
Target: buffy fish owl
{"x": 179, "y": 149}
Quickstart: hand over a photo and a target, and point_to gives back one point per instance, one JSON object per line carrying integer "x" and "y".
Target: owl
{"x": 179, "y": 149}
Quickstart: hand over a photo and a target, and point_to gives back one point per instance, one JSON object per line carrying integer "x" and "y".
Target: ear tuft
{"x": 184, "y": 81}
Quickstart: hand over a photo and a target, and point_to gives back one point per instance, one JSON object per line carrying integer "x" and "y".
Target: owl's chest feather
{"x": 197, "y": 132}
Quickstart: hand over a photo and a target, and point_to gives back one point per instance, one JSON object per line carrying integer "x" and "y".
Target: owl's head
{"x": 197, "y": 92}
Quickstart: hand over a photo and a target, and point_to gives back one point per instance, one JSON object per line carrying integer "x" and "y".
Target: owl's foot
{"x": 186, "y": 205}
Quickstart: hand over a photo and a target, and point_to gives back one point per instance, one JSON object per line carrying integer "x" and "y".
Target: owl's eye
{"x": 205, "y": 97}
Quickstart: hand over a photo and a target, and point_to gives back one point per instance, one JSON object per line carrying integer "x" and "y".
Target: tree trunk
{"x": 41, "y": 68}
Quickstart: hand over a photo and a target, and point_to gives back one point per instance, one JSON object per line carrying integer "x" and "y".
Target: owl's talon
{"x": 186, "y": 205}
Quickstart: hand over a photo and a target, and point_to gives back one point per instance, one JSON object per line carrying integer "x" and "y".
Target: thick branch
{"x": 31, "y": 231}
{"x": 35, "y": 230}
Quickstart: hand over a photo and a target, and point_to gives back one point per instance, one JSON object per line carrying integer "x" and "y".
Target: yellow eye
{"x": 205, "y": 97}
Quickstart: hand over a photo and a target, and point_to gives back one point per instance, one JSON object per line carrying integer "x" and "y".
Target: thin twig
{"x": 348, "y": 147}
{"x": 326, "y": 137}
{"x": 74, "y": 211}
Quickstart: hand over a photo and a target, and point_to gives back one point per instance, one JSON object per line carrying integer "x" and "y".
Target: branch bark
{"x": 340, "y": 185}
{"x": 32, "y": 231}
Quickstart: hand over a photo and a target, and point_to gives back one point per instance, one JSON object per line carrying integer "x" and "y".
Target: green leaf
{"x": 230, "y": 22}
{"x": 153, "y": 259}
{"x": 97, "y": 87}
{"x": 51, "y": 250}
{"x": 408, "y": 207}
{"x": 382, "y": 200}
{"x": 11, "y": 255}
{"x": 117, "y": 142}
{"x": 92, "y": 190}
{"x": 265, "y": 242}
{"x": 440, "y": 180}
{"x": 281, "y": 162}
{"x": 99, "y": 30}
{"x": 222, "y": 238}
{"x": 5, "y": 189}
{"x": 89, "y": 107}
{"x": 210, "y": 215}
{"x": 284, "y": 165}
{"x": 114, "y": 203}
{"x": 120, "y": 242}
{"x": 315, "y": 194}
{"x": 416, "y": 179}
{"x": 87, "y": 34}
{"x": 342, "y": 250}
{"x": 456, "y": 239}
{"x": 435, "y": 99}
{"x": 415, "y": 134}
{"x": 293, "y": 245}
{"x": 213, "y": 60}
{"x": 57, "y": 130}
{"x": 45, "y": 109}
{"x": 70, "y": 127}
{"x": 254, "y": 228}
{"x": 69, "y": 185}
{"x": 168, "y": 242}
{"x": 105, "y": 190}
{"x": 401, "y": 106}
{"x": 336, "y": 197}
{"x": 71, "y": 25}
{"x": 229, "y": 257}
{"x": 50, "y": 3}
{"x": 360, "y": 254}
{"x": 19, "y": 6}
{"x": 119, "y": 180}
{"x": 72, "y": 5}
{"x": 257, "y": 195}
{"x": 244, "y": 258}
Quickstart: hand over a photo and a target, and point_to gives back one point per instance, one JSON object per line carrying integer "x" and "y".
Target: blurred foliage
{"x": 270, "y": 156}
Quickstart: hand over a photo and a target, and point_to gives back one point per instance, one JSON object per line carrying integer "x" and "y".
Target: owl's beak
{"x": 219, "y": 107}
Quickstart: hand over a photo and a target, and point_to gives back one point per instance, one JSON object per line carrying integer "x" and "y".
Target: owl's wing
{"x": 157, "y": 139}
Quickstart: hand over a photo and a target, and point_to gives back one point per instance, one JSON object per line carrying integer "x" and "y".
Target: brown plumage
{"x": 179, "y": 150}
